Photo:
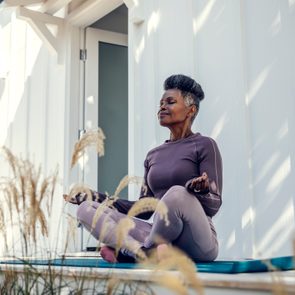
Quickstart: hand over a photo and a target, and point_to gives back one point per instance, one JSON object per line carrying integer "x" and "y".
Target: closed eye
{"x": 168, "y": 102}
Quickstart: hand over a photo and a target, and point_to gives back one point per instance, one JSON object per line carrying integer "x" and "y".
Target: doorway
{"x": 106, "y": 106}
{"x": 113, "y": 115}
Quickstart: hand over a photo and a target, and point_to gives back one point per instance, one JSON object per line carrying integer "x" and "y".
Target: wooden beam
{"x": 91, "y": 10}
{"x": 38, "y": 21}
{"x": 52, "y": 6}
{"x": 39, "y": 16}
{"x": 22, "y": 2}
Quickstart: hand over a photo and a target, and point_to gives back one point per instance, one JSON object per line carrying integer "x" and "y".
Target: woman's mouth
{"x": 162, "y": 114}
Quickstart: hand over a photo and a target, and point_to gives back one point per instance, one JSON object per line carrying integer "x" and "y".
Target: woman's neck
{"x": 176, "y": 135}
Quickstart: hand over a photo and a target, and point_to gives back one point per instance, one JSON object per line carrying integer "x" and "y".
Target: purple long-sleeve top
{"x": 177, "y": 163}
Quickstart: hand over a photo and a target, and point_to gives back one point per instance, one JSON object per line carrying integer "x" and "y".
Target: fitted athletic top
{"x": 177, "y": 163}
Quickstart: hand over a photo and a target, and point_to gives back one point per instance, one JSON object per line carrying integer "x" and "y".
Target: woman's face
{"x": 173, "y": 110}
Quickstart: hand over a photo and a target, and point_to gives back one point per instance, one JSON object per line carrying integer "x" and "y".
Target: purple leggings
{"x": 189, "y": 229}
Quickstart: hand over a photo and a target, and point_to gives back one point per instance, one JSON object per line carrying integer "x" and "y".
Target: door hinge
{"x": 83, "y": 54}
{"x": 81, "y": 132}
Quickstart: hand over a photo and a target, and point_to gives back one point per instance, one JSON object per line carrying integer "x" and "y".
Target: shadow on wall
{"x": 267, "y": 216}
{"x": 30, "y": 116}
{"x": 272, "y": 144}
{"x": 2, "y": 86}
{"x": 269, "y": 220}
{"x": 32, "y": 112}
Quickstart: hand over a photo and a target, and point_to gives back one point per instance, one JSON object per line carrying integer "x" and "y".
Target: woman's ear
{"x": 192, "y": 111}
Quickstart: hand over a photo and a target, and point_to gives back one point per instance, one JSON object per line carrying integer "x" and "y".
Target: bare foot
{"x": 162, "y": 251}
{"x": 108, "y": 254}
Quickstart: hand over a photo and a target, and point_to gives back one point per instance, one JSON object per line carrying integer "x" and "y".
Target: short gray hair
{"x": 189, "y": 101}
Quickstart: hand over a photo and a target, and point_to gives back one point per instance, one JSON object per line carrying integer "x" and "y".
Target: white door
{"x": 106, "y": 106}
{"x": 104, "y": 110}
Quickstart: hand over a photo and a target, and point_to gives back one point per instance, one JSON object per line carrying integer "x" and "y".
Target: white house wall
{"x": 32, "y": 101}
{"x": 242, "y": 53}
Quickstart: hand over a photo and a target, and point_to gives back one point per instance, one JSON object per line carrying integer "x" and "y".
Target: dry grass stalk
{"x": 71, "y": 231}
{"x": 171, "y": 282}
{"x": 80, "y": 192}
{"x": 278, "y": 286}
{"x": 177, "y": 260}
{"x": 26, "y": 195}
{"x": 101, "y": 210}
{"x": 125, "y": 181}
{"x": 112, "y": 285}
{"x": 107, "y": 228}
{"x": 3, "y": 227}
{"x": 7, "y": 285}
{"x": 124, "y": 226}
{"x": 150, "y": 204}
{"x": 11, "y": 159}
{"x": 94, "y": 137}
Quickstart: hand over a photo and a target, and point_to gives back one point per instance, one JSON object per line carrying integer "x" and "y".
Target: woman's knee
{"x": 83, "y": 210}
{"x": 175, "y": 193}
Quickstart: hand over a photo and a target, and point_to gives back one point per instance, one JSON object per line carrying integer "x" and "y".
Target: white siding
{"x": 32, "y": 102}
{"x": 242, "y": 53}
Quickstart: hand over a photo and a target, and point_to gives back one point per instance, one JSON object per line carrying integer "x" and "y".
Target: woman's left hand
{"x": 200, "y": 184}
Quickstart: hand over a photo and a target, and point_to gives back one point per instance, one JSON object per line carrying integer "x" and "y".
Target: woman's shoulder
{"x": 205, "y": 139}
{"x": 155, "y": 149}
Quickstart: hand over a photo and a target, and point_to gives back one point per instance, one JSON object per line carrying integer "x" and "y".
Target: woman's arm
{"x": 208, "y": 187}
{"x": 122, "y": 205}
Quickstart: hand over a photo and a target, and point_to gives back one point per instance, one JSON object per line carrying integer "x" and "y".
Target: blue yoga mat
{"x": 229, "y": 266}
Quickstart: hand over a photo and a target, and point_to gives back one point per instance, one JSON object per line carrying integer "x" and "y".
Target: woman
{"x": 185, "y": 173}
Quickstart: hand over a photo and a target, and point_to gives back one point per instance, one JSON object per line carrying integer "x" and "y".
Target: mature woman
{"x": 185, "y": 172}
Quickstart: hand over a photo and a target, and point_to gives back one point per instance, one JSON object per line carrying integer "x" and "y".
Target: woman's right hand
{"x": 70, "y": 199}
{"x": 200, "y": 184}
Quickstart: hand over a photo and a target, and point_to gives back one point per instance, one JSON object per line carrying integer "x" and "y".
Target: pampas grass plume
{"x": 150, "y": 204}
{"x": 94, "y": 137}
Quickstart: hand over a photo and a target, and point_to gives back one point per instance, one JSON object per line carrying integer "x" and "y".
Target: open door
{"x": 106, "y": 106}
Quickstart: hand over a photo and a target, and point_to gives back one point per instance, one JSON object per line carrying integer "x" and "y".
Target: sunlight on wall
{"x": 20, "y": 47}
{"x": 4, "y": 74}
{"x": 200, "y": 20}
{"x": 279, "y": 232}
{"x": 267, "y": 167}
{"x": 248, "y": 217}
{"x": 32, "y": 50}
{"x": 90, "y": 99}
{"x": 139, "y": 50}
{"x": 11, "y": 52}
{"x": 83, "y": 161}
{"x": 89, "y": 124}
{"x": 231, "y": 240}
{"x": 276, "y": 24}
{"x": 280, "y": 175}
{"x": 256, "y": 85}
{"x": 53, "y": 29}
{"x": 4, "y": 51}
{"x": 153, "y": 22}
{"x": 291, "y": 3}
{"x": 218, "y": 127}
{"x": 284, "y": 130}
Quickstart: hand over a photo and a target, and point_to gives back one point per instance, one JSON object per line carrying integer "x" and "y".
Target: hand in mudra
{"x": 200, "y": 184}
